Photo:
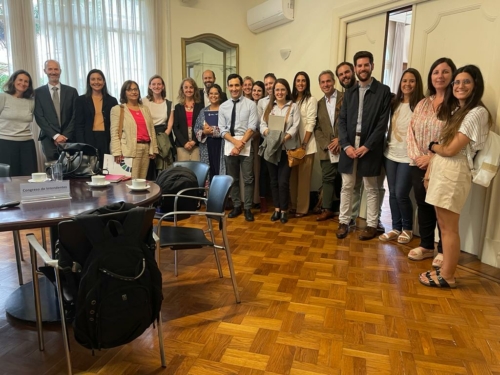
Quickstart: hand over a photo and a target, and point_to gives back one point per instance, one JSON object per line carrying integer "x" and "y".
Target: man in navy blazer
{"x": 56, "y": 124}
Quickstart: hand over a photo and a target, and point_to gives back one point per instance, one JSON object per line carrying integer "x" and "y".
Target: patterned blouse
{"x": 424, "y": 128}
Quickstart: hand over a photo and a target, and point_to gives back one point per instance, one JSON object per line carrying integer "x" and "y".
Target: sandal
{"x": 438, "y": 261}
{"x": 405, "y": 237}
{"x": 419, "y": 253}
{"x": 389, "y": 236}
{"x": 442, "y": 283}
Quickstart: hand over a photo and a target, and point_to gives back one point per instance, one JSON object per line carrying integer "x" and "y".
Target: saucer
{"x": 90, "y": 183}
{"x": 33, "y": 181}
{"x": 138, "y": 189}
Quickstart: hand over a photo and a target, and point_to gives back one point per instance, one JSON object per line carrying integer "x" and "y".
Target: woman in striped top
{"x": 424, "y": 128}
{"x": 448, "y": 178}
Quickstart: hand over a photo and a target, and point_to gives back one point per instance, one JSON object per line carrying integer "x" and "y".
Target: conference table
{"x": 48, "y": 213}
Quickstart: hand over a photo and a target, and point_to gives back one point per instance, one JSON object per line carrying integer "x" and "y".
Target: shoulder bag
{"x": 295, "y": 156}
{"x": 79, "y": 160}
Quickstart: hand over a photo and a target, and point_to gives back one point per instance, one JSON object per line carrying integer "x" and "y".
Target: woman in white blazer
{"x": 308, "y": 106}
{"x": 137, "y": 139}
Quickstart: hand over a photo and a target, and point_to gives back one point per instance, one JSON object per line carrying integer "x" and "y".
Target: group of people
{"x": 360, "y": 136}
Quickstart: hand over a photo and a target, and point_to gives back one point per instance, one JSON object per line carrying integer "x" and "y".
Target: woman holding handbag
{"x": 448, "y": 179}
{"x": 185, "y": 114}
{"x": 92, "y": 114}
{"x": 276, "y": 144}
{"x": 132, "y": 131}
{"x": 308, "y": 105}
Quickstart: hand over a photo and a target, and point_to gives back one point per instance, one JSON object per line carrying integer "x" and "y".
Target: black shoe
{"x": 235, "y": 212}
{"x": 284, "y": 217}
{"x": 380, "y": 227}
{"x": 248, "y": 215}
{"x": 276, "y": 216}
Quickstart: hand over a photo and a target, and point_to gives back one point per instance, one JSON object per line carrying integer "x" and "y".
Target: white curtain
{"x": 114, "y": 36}
{"x": 394, "y": 55}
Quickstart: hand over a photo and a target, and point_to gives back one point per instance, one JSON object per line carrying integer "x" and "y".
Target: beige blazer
{"x": 126, "y": 145}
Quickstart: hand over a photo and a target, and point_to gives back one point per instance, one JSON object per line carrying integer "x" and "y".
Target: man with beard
{"x": 54, "y": 111}
{"x": 362, "y": 126}
{"x": 208, "y": 77}
{"x": 345, "y": 74}
{"x": 269, "y": 80}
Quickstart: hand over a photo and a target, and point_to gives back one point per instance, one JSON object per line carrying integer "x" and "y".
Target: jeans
{"x": 400, "y": 185}
{"x": 427, "y": 220}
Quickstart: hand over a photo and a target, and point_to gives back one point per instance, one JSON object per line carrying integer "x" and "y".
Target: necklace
{"x": 189, "y": 107}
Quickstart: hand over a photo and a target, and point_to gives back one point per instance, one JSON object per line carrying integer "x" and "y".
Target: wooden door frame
{"x": 349, "y": 13}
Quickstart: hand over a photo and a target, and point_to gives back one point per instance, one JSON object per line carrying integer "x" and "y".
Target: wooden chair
{"x": 184, "y": 238}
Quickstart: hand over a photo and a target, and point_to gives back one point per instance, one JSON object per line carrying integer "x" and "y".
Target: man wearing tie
{"x": 237, "y": 124}
{"x": 54, "y": 111}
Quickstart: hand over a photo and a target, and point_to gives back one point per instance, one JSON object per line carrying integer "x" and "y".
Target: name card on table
{"x": 44, "y": 191}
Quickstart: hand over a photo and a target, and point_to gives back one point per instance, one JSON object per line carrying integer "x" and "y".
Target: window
{"x": 114, "y": 36}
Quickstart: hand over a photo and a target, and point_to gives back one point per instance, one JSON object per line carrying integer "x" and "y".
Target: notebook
{"x": 212, "y": 118}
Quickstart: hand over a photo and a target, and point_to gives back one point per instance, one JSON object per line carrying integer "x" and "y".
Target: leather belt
{"x": 358, "y": 134}
{"x": 144, "y": 142}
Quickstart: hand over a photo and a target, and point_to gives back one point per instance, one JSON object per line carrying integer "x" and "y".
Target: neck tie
{"x": 57, "y": 104}
{"x": 233, "y": 118}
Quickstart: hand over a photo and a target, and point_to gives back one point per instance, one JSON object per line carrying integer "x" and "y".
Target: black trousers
{"x": 279, "y": 176}
{"x": 427, "y": 219}
{"x": 20, "y": 155}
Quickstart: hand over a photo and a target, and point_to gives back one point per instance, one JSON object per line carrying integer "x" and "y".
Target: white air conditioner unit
{"x": 270, "y": 14}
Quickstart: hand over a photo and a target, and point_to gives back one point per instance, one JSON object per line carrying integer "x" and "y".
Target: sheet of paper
{"x": 333, "y": 158}
{"x": 276, "y": 122}
{"x": 228, "y": 146}
{"x": 124, "y": 168}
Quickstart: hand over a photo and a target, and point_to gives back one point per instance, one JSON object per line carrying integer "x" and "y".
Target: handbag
{"x": 295, "y": 156}
{"x": 485, "y": 164}
{"x": 78, "y": 160}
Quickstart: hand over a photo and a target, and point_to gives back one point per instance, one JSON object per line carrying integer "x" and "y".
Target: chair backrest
{"x": 199, "y": 169}
{"x": 72, "y": 235}
{"x": 4, "y": 170}
{"x": 218, "y": 194}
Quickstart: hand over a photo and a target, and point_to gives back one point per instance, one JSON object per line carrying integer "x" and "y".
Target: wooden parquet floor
{"x": 311, "y": 305}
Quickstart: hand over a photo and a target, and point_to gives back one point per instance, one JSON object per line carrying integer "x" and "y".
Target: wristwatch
{"x": 432, "y": 144}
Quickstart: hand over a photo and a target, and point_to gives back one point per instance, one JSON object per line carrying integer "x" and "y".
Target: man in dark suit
{"x": 326, "y": 135}
{"x": 363, "y": 121}
{"x": 208, "y": 77}
{"x": 54, "y": 111}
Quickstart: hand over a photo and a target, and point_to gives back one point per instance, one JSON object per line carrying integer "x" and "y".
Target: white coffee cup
{"x": 39, "y": 177}
{"x": 139, "y": 183}
{"x": 98, "y": 180}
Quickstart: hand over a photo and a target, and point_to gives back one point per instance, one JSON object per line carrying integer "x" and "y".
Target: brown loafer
{"x": 325, "y": 215}
{"x": 343, "y": 231}
{"x": 299, "y": 215}
{"x": 368, "y": 233}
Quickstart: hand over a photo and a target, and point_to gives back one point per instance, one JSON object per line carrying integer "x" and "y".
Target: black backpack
{"x": 173, "y": 180}
{"x": 119, "y": 288}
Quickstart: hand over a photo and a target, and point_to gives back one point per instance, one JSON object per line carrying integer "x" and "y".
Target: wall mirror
{"x": 209, "y": 51}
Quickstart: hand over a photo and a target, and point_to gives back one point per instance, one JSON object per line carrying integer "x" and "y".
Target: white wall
{"x": 226, "y": 18}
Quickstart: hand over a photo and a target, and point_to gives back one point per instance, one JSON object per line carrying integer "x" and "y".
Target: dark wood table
{"x": 43, "y": 214}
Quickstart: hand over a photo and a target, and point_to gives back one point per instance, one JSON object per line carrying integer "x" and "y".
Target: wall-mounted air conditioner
{"x": 270, "y": 14}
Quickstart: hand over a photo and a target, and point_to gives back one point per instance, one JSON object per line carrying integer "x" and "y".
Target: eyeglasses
{"x": 464, "y": 81}
{"x": 133, "y": 90}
